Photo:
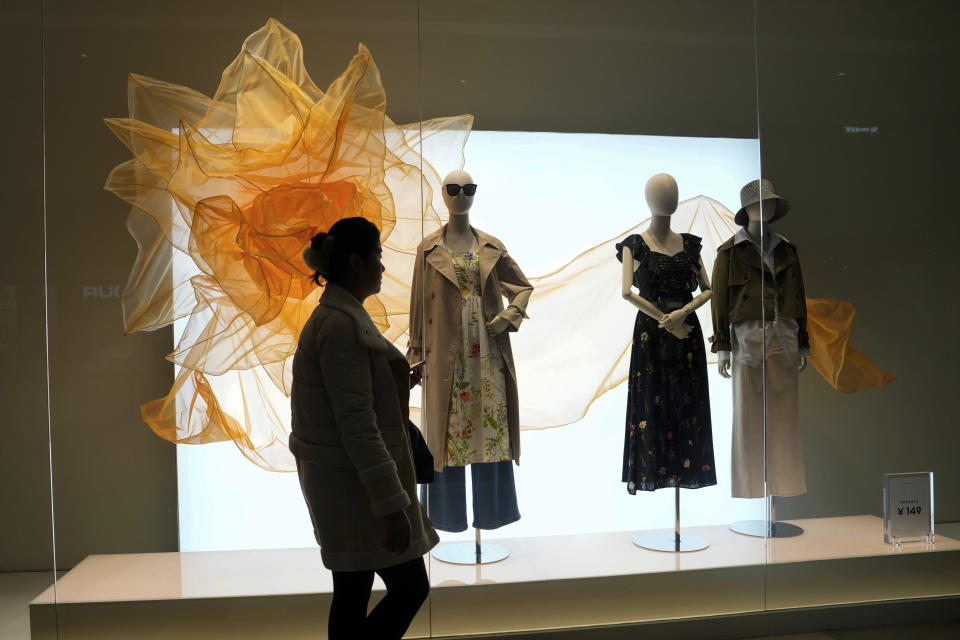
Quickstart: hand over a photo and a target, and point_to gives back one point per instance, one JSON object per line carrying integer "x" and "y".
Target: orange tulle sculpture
{"x": 226, "y": 192}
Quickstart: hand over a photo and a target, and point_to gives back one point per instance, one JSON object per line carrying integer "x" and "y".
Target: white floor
{"x": 17, "y": 590}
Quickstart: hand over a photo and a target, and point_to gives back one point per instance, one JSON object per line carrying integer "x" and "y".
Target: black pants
{"x": 407, "y": 588}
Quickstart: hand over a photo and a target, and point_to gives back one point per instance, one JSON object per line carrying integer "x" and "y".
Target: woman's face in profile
{"x": 372, "y": 274}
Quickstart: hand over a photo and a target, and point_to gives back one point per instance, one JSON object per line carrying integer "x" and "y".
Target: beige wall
{"x": 872, "y": 213}
{"x": 25, "y": 533}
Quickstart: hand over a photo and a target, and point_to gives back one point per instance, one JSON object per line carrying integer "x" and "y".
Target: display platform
{"x": 546, "y": 583}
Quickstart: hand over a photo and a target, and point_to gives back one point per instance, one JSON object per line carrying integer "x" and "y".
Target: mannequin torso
{"x": 458, "y": 235}
{"x": 662, "y": 195}
{"x": 660, "y": 238}
{"x": 758, "y": 228}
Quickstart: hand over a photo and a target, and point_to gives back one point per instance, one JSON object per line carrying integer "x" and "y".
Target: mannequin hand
{"x": 681, "y": 332}
{"x": 396, "y": 537}
{"x": 416, "y": 375}
{"x": 497, "y": 326}
{"x": 803, "y": 363}
{"x": 673, "y": 320}
{"x": 724, "y": 365}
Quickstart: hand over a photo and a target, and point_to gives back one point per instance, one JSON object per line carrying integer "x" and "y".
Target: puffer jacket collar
{"x": 336, "y": 297}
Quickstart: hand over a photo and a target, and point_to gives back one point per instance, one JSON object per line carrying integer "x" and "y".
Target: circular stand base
{"x": 666, "y": 540}
{"x": 466, "y": 553}
{"x": 758, "y": 529}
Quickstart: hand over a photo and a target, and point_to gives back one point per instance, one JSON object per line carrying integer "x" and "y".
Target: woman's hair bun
{"x": 311, "y": 257}
{"x": 317, "y": 256}
{"x": 316, "y": 242}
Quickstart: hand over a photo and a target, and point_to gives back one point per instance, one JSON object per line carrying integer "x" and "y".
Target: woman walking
{"x": 349, "y": 414}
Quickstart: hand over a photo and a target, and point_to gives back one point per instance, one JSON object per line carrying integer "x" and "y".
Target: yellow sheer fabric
{"x": 830, "y": 324}
{"x": 226, "y": 193}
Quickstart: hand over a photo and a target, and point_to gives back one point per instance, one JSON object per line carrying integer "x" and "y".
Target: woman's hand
{"x": 396, "y": 536}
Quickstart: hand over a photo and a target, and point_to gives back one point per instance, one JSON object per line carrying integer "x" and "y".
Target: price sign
{"x": 908, "y": 507}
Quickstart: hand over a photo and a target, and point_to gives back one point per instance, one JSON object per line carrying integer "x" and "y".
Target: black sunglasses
{"x": 454, "y": 189}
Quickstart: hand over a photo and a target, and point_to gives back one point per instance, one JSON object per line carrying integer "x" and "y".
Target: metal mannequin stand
{"x": 470, "y": 552}
{"x": 769, "y": 528}
{"x": 671, "y": 541}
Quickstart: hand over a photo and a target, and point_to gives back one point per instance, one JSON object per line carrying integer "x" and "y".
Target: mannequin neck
{"x": 458, "y": 223}
{"x": 659, "y": 227}
{"x": 459, "y": 235}
{"x": 754, "y": 231}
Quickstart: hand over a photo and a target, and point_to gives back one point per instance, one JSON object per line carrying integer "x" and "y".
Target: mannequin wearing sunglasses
{"x": 460, "y": 327}
{"x": 668, "y": 440}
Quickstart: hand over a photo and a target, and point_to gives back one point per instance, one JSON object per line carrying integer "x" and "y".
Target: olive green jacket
{"x": 739, "y": 288}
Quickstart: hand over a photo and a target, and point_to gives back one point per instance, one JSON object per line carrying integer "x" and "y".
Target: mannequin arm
{"x": 675, "y": 318}
{"x": 415, "y": 344}
{"x": 626, "y": 290}
{"x": 517, "y": 290}
{"x": 721, "y": 302}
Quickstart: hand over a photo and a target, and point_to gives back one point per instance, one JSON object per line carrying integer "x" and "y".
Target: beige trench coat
{"x": 350, "y": 403}
{"x": 435, "y": 328}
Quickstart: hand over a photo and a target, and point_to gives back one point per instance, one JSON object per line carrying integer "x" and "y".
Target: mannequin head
{"x": 662, "y": 194}
{"x": 459, "y": 204}
{"x": 759, "y": 202}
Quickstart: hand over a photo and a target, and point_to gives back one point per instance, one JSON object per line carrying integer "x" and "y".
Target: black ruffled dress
{"x": 669, "y": 439}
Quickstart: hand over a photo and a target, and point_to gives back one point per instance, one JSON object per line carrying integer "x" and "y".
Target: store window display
{"x": 460, "y": 328}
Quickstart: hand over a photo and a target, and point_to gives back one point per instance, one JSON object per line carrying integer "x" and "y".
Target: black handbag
{"x": 422, "y": 458}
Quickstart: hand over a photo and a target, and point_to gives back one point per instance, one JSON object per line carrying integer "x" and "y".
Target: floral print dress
{"x": 477, "y": 430}
{"x": 669, "y": 437}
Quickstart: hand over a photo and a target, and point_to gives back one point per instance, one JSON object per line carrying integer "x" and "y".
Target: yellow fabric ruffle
{"x": 830, "y": 324}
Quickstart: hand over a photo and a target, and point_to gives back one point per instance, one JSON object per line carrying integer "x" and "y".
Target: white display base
{"x": 759, "y": 529}
{"x": 466, "y": 553}
{"x": 666, "y": 540}
{"x": 546, "y": 583}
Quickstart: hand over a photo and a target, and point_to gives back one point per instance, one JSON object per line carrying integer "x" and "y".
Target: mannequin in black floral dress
{"x": 668, "y": 440}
